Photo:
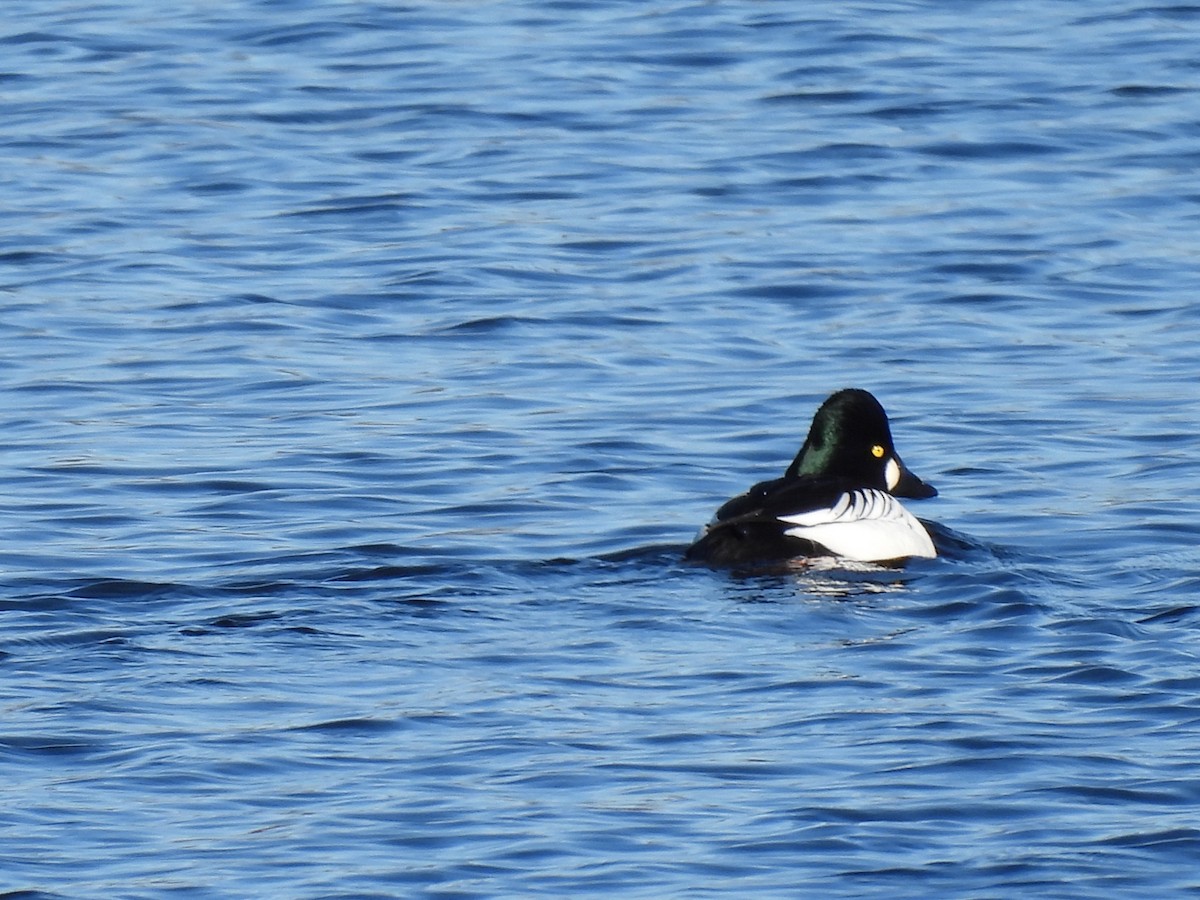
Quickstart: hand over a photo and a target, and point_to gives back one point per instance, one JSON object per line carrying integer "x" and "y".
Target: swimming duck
{"x": 837, "y": 498}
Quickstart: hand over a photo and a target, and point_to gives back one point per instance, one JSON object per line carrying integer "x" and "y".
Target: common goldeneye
{"x": 837, "y": 498}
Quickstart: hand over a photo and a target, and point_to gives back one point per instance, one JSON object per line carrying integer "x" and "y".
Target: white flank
{"x": 866, "y": 526}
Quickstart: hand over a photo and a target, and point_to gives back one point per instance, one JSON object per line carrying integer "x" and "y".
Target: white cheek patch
{"x": 892, "y": 474}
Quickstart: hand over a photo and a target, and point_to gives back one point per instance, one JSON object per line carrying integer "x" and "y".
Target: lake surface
{"x": 368, "y": 367}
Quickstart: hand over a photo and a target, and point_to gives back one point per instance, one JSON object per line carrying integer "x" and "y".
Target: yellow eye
{"x": 877, "y": 452}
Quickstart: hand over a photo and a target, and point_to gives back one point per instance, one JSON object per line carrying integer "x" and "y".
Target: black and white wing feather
{"x": 865, "y": 525}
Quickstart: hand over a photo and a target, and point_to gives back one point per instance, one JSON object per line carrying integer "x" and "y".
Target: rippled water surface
{"x": 367, "y": 368}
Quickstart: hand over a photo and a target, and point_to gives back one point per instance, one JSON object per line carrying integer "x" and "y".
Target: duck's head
{"x": 850, "y": 438}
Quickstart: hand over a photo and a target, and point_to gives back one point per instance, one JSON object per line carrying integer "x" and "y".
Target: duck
{"x": 838, "y": 498}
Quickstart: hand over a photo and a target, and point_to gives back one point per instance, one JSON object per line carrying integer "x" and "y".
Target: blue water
{"x": 368, "y": 367}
